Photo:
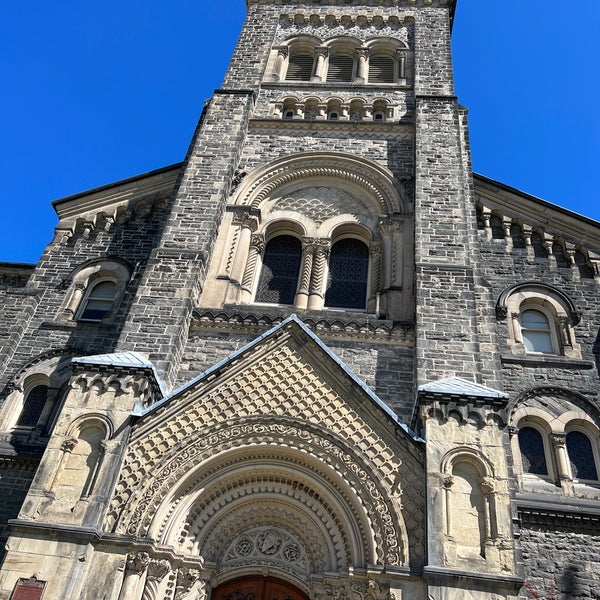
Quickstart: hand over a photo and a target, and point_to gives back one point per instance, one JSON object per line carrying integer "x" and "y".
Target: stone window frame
{"x": 322, "y": 50}
{"x": 53, "y": 372}
{"x": 554, "y": 431}
{"x": 85, "y": 278}
{"x": 553, "y": 304}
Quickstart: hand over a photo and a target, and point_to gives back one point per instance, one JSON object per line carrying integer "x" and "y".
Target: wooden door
{"x": 257, "y": 588}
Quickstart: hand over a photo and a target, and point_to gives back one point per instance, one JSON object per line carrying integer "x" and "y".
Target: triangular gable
{"x": 291, "y": 323}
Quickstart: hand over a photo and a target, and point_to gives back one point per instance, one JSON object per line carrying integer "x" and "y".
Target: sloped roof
{"x": 461, "y": 387}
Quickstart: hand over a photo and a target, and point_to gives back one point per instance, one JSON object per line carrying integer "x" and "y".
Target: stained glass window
{"x": 281, "y": 266}
{"x": 348, "y": 274}
{"x": 533, "y": 456}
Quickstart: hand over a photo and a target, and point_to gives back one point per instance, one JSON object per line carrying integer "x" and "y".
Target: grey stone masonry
{"x": 159, "y": 319}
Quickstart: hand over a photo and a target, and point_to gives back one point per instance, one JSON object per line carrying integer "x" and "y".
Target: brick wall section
{"x": 561, "y": 563}
{"x": 159, "y": 320}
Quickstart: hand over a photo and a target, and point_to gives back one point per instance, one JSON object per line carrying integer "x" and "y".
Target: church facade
{"x": 319, "y": 359}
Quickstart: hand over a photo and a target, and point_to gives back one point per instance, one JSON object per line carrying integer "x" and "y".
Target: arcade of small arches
{"x": 314, "y": 108}
{"x": 339, "y": 60}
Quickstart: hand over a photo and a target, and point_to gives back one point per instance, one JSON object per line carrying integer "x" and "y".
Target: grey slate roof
{"x": 461, "y": 387}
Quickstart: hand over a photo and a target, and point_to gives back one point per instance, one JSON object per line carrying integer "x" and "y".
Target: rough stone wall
{"x": 43, "y": 331}
{"x": 561, "y": 563}
{"x": 503, "y": 266}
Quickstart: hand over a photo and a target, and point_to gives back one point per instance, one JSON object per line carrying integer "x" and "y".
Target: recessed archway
{"x": 257, "y": 588}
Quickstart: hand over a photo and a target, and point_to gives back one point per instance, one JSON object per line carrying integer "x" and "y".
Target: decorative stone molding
{"x": 157, "y": 571}
{"x": 369, "y": 178}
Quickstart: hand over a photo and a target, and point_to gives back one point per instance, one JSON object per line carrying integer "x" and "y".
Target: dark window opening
{"x": 581, "y": 456}
{"x": 33, "y": 406}
{"x": 533, "y": 456}
{"x": 281, "y": 266}
{"x": 348, "y": 275}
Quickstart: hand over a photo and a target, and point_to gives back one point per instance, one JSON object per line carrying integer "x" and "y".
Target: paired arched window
{"x": 581, "y": 456}
{"x": 347, "y": 269}
{"x": 533, "y": 453}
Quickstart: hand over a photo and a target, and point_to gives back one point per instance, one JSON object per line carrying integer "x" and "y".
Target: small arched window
{"x": 536, "y": 332}
{"x": 33, "y": 406}
{"x": 348, "y": 274}
{"x": 341, "y": 68}
{"x": 300, "y": 67}
{"x": 281, "y": 267}
{"x": 581, "y": 456}
{"x": 533, "y": 454}
{"x": 99, "y": 301}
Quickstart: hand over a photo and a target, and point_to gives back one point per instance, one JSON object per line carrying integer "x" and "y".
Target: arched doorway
{"x": 257, "y": 588}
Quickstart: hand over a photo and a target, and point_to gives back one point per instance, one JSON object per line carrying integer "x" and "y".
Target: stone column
{"x": 401, "y": 58}
{"x": 278, "y": 69}
{"x": 376, "y": 253}
{"x": 186, "y": 578}
{"x": 559, "y": 443}
{"x": 66, "y": 448}
{"x": 136, "y": 566}
{"x": 362, "y": 70}
{"x": 308, "y": 248}
{"x": 74, "y": 300}
{"x": 157, "y": 570}
{"x": 257, "y": 244}
{"x": 316, "y": 298}
{"x": 322, "y": 53}
{"x": 248, "y": 225}
{"x": 486, "y": 485}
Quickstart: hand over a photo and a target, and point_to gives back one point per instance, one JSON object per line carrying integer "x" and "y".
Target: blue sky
{"x": 95, "y": 92}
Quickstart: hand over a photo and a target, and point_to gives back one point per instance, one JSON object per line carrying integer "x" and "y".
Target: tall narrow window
{"x": 33, "y": 406}
{"x": 281, "y": 267}
{"x": 536, "y": 332}
{"x": 533, "y": 455}
{"x": 300, "y": 67}
{"x": 348, "y": 274}
{"x": 341, "y": 68}
{"x": 382, "y": 69}
{"x": 581, "y": 456}
{"x": 99, "y": 301}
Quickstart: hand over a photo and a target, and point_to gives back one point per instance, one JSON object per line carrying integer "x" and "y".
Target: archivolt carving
{"x": 374, "y": 181}
{"x": 387, "y": 525}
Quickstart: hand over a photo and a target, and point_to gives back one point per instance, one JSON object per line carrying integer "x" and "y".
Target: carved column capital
{"x": 448, "y": 481}
{"x": 487, "y": 485}
{"x": 559, "y": 440}
{"x": 322, "y": 51}
{"x": 245, "y": 219}
{"x": 69, "y": 444}
{"x": 137, "y": 562}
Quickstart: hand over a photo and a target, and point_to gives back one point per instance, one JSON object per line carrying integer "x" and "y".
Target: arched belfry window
{"x": 300, "y": 66}
{"x": 581, "y": 456}
{"x": 341, "y": 68}
{"x": 533, "y": 454}
{"x": 382, "y": 69}
{"x": 281, "y": 266}
{"x": 348, "y": 274}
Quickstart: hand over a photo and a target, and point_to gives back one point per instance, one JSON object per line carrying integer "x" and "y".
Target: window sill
{"x": 548, "y": 361}
{"x": 82, "y": 325}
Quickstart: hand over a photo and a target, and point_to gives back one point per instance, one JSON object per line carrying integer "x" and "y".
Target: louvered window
{"x": 382, "y": 69}
{"x": 341, "y": 67}
{"x": 281, "y": 267}
{"x": 300, "y": 67}
{"x": 348, "y": 275}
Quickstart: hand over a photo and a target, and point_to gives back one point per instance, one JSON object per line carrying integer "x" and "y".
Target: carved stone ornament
{"x": 138, "y": 562}
{"x": 69, "y": 444}
{"x": 487, "y": 485}
{"x": 268, "y": 543}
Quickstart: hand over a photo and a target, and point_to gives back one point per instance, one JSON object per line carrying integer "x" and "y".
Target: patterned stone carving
{"x": 186, "y": 579}
{"x": 267, "y": 544}
{"x": 157, "y": 570}
{"x": 321, "y": 203}
{"x": 137, "y": 562}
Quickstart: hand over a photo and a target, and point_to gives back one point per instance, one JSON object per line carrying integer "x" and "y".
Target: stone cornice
{"x": 562, "y": 513}
{"x": 256, "y": 320}
{"x": 363, "y": 129}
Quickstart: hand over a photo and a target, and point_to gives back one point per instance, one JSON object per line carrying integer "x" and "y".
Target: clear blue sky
{"x": 94, "y": 92}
